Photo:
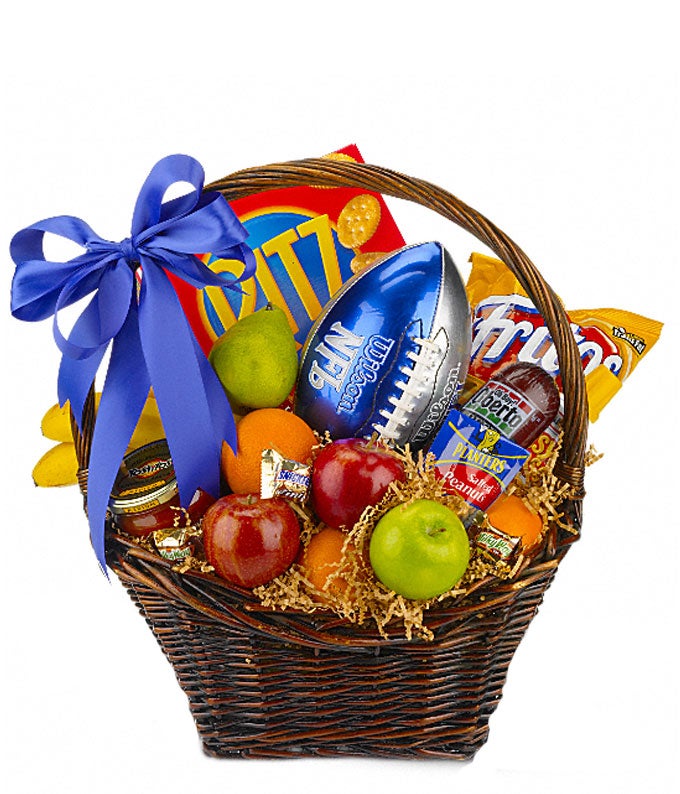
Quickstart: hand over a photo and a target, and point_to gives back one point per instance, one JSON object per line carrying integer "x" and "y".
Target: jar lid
{"x": 146, "y": 479}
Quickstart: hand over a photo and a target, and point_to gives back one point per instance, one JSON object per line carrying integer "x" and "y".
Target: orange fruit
{"x": 512, "y": 516}
{"x": 265, "y": 428}
{"x": 321, "y": 558}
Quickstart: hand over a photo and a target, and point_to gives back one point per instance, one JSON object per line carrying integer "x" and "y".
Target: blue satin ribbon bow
{"x": 135, "y": 308}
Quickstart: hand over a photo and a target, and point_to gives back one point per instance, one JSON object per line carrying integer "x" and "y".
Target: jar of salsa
{"x": 145, "y": 496}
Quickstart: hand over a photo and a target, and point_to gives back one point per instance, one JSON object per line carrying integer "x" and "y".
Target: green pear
{"x": 256, "y": 359}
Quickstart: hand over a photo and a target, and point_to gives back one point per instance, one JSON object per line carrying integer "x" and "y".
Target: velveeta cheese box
{"x": 307, "y": 242}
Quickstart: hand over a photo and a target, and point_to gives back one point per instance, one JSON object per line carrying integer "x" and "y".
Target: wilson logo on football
{"x": 365, "y": 371}
{"x": 338, "y": 352}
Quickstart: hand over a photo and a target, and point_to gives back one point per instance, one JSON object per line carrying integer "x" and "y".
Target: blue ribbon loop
{"x": 135, "y": 310}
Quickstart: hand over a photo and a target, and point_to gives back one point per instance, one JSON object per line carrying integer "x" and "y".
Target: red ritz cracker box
{"x": 307, "y": 242}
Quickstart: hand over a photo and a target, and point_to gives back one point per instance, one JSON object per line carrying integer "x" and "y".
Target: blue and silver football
{"x": 390, "y": 351}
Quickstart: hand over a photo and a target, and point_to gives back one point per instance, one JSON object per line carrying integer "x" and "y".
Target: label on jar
{"x": 146, "y": 480}
{"x": 499, "y": 406}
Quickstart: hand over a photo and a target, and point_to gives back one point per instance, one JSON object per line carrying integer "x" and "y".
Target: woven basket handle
{"x": 334, "y": 173}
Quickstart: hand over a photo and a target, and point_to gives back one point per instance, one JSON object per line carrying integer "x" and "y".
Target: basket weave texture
{"x": 286, "y": 684}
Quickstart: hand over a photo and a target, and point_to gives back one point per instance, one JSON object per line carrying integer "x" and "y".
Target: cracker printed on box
{"x": 358, "y": 221}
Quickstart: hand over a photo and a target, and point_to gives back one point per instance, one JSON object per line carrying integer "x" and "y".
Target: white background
{"x": 557, "y": 121}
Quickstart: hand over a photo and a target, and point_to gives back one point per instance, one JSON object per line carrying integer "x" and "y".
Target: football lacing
{"x": 419, "y": 379}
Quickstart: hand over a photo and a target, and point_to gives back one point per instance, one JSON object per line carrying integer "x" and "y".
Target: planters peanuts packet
{"x": 307, "y": 242}
{"x": 475, "y": 461}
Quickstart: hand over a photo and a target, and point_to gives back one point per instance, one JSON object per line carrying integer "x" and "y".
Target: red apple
{"x": 249, "y": 541}
{"x": 348, "y": 476}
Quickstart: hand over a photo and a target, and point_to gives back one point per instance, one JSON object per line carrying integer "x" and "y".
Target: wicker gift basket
{"x": 287, "y": 683}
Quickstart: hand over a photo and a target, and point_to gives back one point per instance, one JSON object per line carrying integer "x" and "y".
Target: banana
{"x": 56, "y": 423}
{"x": 149, "y": 428}
{"x": 58, "y": 466}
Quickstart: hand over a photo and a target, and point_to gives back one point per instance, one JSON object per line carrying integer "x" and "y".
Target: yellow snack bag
{"x": 507, "y": 327}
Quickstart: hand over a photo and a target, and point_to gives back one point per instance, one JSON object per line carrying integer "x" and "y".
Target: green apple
{"x": 419, "y": 550}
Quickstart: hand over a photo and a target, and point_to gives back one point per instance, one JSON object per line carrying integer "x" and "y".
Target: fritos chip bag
{"x": 507, "y": 327}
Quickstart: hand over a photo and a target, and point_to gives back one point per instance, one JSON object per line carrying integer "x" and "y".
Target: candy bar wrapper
{"x": 307, "y": 242}
{"x": 283, "y": 478}
{"x": 497, "y": 545}
{"x": 475, "y": 461}
{"x": 175, "y": 543}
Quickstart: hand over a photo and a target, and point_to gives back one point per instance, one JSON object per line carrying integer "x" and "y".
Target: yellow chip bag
{"x": 507, "y": 327}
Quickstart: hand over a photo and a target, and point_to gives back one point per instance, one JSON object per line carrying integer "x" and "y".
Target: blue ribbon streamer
{"x": 136, "y": 311}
